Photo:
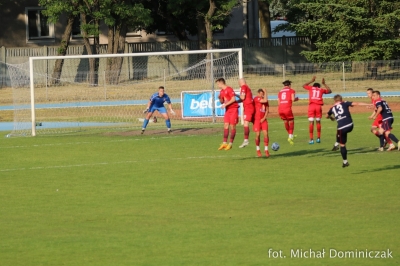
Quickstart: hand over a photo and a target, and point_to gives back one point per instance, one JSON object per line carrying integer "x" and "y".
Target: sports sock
{"x": 381, "y": 140}
{"x": 168, "y": 123}
{"x": 257, "y": 142}
{"x": 388, "y": 140}
{"x": 343, "y": 151}
{"x": 266, "y": 140}
{"x": 319, "y": 130}
{"x": 287, "y": 126}
{"x": 393, "y": 137}
{"x": 257, "y": 148}
{"x": 145, "y": 122}
{"x": 233, "y": 133}
{"x": 226, "y": 134}
{"x": 311, "y": 130}
{"x": 246, "y": 133}
{"x": 377, "y": 134}
{"x": 266, "y": 148}
{"x": 291, "y": 127}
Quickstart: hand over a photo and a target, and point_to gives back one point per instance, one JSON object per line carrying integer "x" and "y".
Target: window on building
{"x": 164, "y": 30}
{"x": 76, "y": 28}
{"x": 37, "y": 25}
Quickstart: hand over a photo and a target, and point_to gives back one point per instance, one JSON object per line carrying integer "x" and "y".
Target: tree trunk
{"x": 91, "y": 50}
{"x": 116, "y": 45}
{"x": 62, "y": 50}
{"x": 201, "y": 33}
{"x": 208, "y": 24}
{"x": 265, "y": 17}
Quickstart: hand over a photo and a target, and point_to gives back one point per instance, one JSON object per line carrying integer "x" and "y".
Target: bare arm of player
{"x": 242, "y": 95}
{"x": 294, "y": 99}
{"x": 330, "y": 117}
{"x": 265, "y": 98}
{"x": 232, "y": 100}
{"x": 147, "y": 107}
{"x": 170, "y": 108}
{"x": 326, "y": 86}
{"x": 311, "y": 81}
{"x": 377, "y": 112}
{"x": 221, "y": 99}
{"x": 266, "y": 114}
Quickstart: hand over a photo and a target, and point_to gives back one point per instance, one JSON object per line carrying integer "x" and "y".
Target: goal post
{"x": 119, "y": 95}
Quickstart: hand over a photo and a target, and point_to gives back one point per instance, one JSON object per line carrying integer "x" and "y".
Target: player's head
{"x": 369, "y": 92}
{"x": 161, "y": 91}
{"x": 376, "y": 95}
{"x": 260, "y": 93}
{"x": 242, "y": 82}
{"x": 337, "y": 98}
{"x": 287, "y": 83}
{"x": 220, "y": 83}
{"x": 317, "y": 85}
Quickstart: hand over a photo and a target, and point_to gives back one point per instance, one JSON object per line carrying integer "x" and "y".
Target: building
{"x": 23, "y": 25}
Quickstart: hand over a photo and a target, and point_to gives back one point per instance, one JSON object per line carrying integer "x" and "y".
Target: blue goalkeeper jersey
{"x": 157, "y": 101}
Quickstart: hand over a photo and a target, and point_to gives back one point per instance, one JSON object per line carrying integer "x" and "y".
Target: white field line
{"x": 303, "y": 121}
{"x": 121, "y": 162}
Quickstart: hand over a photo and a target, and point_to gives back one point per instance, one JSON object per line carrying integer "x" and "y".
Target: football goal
{"x": 57, "y": 94}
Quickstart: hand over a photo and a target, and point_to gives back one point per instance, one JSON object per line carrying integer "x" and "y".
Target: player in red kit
{"x": 315, "y": 94}
{"x": 260, "y": 123}
{"x": 286, "y": 97}
{"x": 231, "y": 117}
{"x": 378, "y": 123}
{"x": 248, "y": 109}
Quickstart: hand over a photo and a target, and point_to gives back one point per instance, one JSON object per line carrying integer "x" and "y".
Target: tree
{"x": 54, "y": 9}
{"x": 265, "y": 17}
{"x": 354, "y": 30}
{"x": 118, "y": 15}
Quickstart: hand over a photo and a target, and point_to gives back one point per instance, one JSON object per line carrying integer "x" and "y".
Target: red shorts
{"x": 248, "y": 113}
{"x": 258, "y": 126}
{"x": 314, "y": 110}
{"x": 231, "y": 116}
{"x": 377, "y": 122}
{"x": 286, "y": 114}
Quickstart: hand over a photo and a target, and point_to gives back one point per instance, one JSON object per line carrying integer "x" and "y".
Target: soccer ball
{"x": 275, "y": 146}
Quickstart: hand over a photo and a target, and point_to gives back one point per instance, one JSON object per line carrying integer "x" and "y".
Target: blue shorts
{"x": 161, "y": 109}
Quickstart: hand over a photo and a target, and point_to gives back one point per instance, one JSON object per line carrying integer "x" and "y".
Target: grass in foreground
{"x": 176, "y": 200}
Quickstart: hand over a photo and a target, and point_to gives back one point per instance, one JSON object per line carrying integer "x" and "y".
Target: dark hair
{"x": 377, "y": 92}
{"x": 370, "y": 89}
{"x": 260, "y": 90}
{"x": 316, "y": 84}
{"x": 221, "y": 80}
{"x": 337, "y": 98}
{"x": 287, "y": 82}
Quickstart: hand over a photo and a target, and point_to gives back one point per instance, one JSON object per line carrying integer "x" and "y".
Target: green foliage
{"x": 348, "y": 30}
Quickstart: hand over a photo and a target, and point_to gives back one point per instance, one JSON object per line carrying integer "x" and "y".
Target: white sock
{"x": 290, "y": 136}
{"x": 266, "y": 148}
{"x": 258, "y": 148}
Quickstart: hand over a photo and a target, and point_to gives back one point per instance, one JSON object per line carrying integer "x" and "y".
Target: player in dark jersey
{"x": 341, "y": 113}
{"x": 382, "y": 108}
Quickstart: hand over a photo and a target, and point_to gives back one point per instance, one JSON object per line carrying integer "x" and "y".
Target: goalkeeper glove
{"x": 172, "y": 112}
{"x": 145, "y": 111}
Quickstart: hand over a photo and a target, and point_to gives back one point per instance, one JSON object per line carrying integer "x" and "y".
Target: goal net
{"x": 111, "y": 91}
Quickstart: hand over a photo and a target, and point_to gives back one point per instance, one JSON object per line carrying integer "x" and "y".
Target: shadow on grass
{"x": 384, "y": 168}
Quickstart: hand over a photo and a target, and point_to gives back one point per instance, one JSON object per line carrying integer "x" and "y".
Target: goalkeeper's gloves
{"x": 145, "y": 111}
{"x": 172, "y": 112}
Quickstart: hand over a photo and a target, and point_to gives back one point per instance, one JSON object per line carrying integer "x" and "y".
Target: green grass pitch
{"x": 177, "y": 200}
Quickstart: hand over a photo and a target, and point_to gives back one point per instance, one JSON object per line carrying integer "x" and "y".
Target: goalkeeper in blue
{"x": 156, "y": 102}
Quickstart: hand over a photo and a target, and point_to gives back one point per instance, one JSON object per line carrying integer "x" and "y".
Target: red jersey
{"x": 227, "y": 95}
{"x": 315, "y": 94}
{"x": 260, "y": 108}
{"x": 248, "y": 100}
{"x": 285, "y": 98}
